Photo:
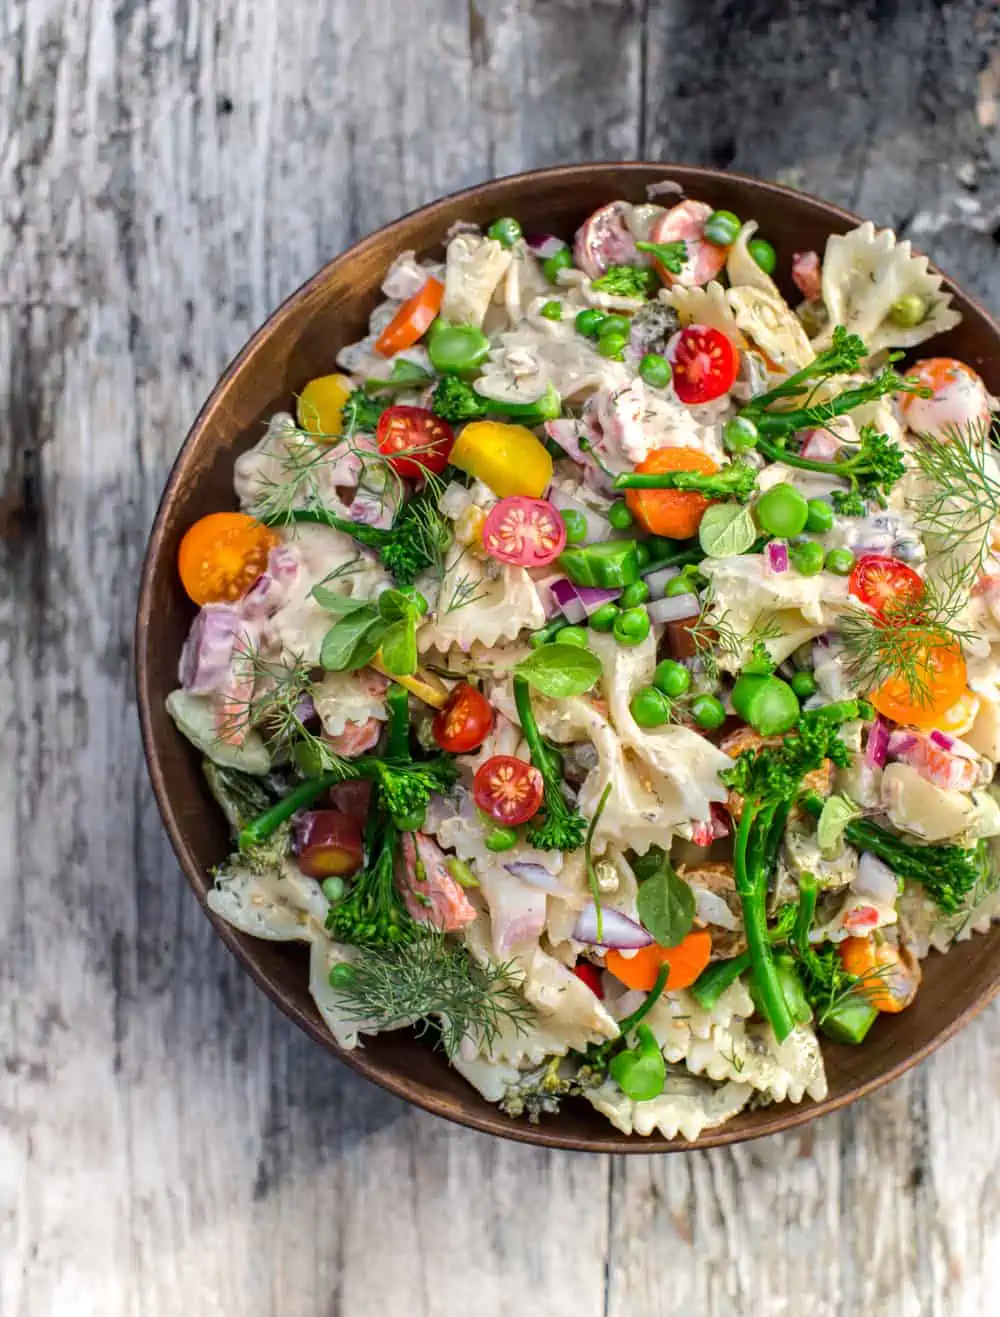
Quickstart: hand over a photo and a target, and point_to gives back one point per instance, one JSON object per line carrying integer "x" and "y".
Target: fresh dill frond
{"x": 431, "y": 981}
{"x": 899, "y": 644}
{"x": 964, "y": 468}
{"x": 464, "y": 590}
{"x": 714, "y": 635}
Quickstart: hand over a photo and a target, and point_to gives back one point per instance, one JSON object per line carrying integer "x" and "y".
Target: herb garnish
{"x": 964, "y": 467}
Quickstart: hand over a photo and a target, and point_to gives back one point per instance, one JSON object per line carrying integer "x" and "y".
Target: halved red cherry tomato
{"x": 465, "y": 721}
{"x": 686, "y": 223}
{"x": 327, "y": 843}
{"x": 508, "y": 790}
{"x": 884, "y": 583}
{"x": 222, "y": 555}
{"x": 705, "y": 364}
{"x": 414, "y": 440}
{"x": 591, "y": 976}
{"x": 526, "y": 532}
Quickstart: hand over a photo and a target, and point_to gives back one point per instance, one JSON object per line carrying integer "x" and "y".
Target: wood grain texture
{"x": 169, "y": 1144}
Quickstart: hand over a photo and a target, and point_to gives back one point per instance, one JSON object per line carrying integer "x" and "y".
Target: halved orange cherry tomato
{"x": 686, "y": 961}
{"x": 465, "y": 721}
{"x": 941, "y": 672}
{"x": 686, "y": 223}
{"x": 412, "y": 321}
{"x": 222, "y": 555}
{"x": 705, "y": 363}
{"x": 675, "y": 513}
{"x": 884, "y": 583}
{"x": 525, "y": 532}
{"x": 958, "y": 397}
{"x": 414, "y": 440}
{"x": 508, "y": 790}
{"x": 887, "y": 982}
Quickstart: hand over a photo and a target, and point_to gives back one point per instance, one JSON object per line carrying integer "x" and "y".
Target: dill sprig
{"x": 431, "y": 981}
{"x": 964, "y": 468}
{"x": 714, "y": 636}
{"x": 899, "y": 644}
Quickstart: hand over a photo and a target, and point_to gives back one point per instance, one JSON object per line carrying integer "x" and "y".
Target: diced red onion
{"x": 543, "y": 588}
{"x": 598, "y": 527}
{"x": 674, "y": 608}
{"x": 875, "y": 879}
{"x": 207, "y": 656}
{"x": 820, "y": 446}
{"x": 776, "y": 556}
{"x": 877, "y": 747}
{"x": 536, "y": 875}
{"x": 283, "y": 563}
{"x": 578, "y": 602}
{"x": 657, "y": 580}
{"x": 617, "y": 930}
{"x": 544, "y": 245}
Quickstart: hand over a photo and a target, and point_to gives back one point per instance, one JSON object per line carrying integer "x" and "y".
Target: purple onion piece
{"x": 776, "y": 556}
{"x": 598, "y": 527}
{"x": 544, "y": 245}
{"x": 657, "y": 580}
{"x": 207, "y": 655}
{"x": 617, "y": 930}
{"x": 675, "y": 608}
{"x": 536, "y": 875}
{"x": 568, "y": 601}
{"x": 877, "y": 747}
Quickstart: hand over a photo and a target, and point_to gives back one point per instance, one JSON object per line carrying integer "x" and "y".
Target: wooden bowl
{"x": 301, "y": 341}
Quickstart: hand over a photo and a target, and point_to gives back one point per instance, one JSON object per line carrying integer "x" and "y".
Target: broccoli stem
{"x": 804, "y": 418}
{"x": 541, "y": 756}
{"x": 267, "y": 823}
{"x": 753, "y": 841}
{"x": 738, "y": 480}
{"x": 318, "y": 516}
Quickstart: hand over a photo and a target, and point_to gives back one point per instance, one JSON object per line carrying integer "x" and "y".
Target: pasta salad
{"x": 602, "y": 672}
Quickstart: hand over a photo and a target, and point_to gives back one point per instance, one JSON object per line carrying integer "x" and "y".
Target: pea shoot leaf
{"x": 666, "y": 906}
{"x": 560, "y": 671}
{"x": 726, "y": 529}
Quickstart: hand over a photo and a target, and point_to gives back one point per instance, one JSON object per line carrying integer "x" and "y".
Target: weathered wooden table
{"x": 170, "y": 1146}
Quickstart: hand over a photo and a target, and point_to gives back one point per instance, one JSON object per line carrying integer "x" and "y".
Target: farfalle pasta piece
{"x": 523, "y": 365}
{"x": 749, "y": 1053}
{"x": 474, "y": 267}
{"x": 686, "y": 1107}
{"x": 865, "y": 272}
{"x": 479, "y": 600}
{"x": 279, "y": 906}
{"x": 564, "y": 1002}
{"x": 771, "y": 324}
{"x": 704, "y": 306}
{"x": 745, "y": 589}
{"x": 743, "y": 271}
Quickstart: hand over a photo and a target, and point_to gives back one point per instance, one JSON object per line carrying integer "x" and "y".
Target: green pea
{"x": 576, "y": 525}
{"x": 573, "y": 635}
{"x": 679, "y": 585}
{"x": 807, "y": 558}
{"x": 740, "y": 434}
{"x": 548, "y": 632}
{"x": 589, "y": 322}
{"x": 634, "y": 595}
{"x": 603, "y": 618}
{"x": 631, "y": 626}
{"x": 552, "y": 310}
{"x": 672, "y": 678}
{"x": 333, "y": 888}
{"x": 644, "y": 553}
{"x": 500, "y": 839}
{"x": 614, "y": 325}
{"x": 782, "y": 511}
{"x": 819, "y": 518}
{"x": 708, "y": 712}
{"x": 342, "y": 976}
{"x": 649, "y": 707}
{"x": 908, "y": 311}
{"x": 804, "y": 684}
{"x": 560, "y": 260}
{"x": 612, "y": 346}
{"x": 655, "y": 370}
{"x": 620, "y": 516}
{"x": 505, "y": 231}
{"x": 840, "y": 562}
{"x": 764, "y": 254}
{"x": 768, "y": 704}
{"x": 458, "y": 349}
{"x": 722, "y": 228}
{"x": 660, "y": 547}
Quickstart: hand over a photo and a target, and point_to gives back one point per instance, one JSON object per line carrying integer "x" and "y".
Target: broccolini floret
{"x": 561, "y": 828}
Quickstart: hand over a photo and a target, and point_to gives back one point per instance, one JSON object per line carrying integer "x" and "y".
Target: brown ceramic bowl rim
{"x": 782, "y": 1116}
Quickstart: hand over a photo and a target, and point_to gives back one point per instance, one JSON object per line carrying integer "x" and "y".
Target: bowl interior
{"x": 301, "y": 341}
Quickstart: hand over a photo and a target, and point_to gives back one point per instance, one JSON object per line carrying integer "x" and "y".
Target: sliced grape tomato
{"x": 465, "y": 721}
{"x": 883, "y": 583}
{"x": 524, "y": 532}
{"x": 508, "y": 790}
{"x": 705, "y": 364}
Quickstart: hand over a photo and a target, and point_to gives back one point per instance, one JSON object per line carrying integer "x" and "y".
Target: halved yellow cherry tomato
{"x": 222, "y": 555}
{"x": 507, "y": 458}
{"x": 321, "y": 405}
{"x": 960, "y": 717}
{"x": 942, "y": 674}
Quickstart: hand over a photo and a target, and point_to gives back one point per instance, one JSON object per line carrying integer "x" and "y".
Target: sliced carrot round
{"x": 686, "y": 961}
{"x": 412, "y": 321}
{"x": 674, "y": 513}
